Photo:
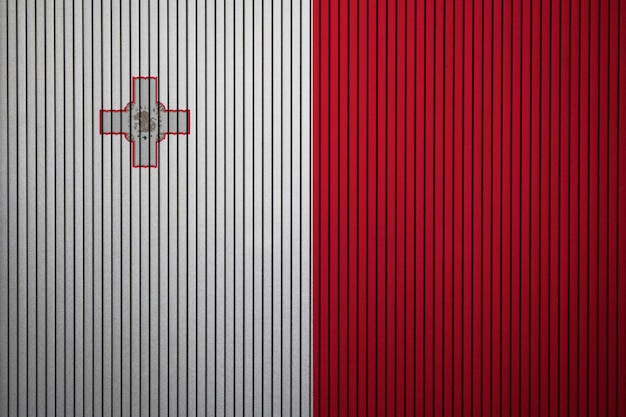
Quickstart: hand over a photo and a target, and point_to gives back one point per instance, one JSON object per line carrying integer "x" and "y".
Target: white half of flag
{"x": 179, "y": 290}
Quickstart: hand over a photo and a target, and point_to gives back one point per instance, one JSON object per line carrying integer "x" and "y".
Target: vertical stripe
{"x": 180, "y": 290}
{"x": 482, "y": 210}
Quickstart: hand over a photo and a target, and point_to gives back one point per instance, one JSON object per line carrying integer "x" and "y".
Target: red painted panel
{"x": 469, "y": 183}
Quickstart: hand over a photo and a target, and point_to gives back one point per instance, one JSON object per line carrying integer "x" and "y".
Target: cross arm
{"x": 112, "y": 122}
{"x": 177, "y": 122}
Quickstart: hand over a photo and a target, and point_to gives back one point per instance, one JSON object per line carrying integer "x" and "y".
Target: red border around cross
{"x": 132, "y": 100}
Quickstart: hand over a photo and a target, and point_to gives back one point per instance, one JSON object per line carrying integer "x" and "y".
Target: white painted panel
{"x": 177, "y": 290}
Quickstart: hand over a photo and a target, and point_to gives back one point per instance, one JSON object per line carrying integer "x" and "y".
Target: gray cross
{"x": 144, "y": 122}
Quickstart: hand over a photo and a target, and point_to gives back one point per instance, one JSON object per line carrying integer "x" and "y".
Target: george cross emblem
{"x": 144, "y": 122}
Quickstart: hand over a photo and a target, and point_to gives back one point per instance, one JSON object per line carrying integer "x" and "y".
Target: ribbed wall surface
{"x": 469, "y": 207}
{"x": 180, "y": 290}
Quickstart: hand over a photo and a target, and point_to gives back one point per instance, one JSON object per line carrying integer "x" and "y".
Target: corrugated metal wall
{"x": 182, "y": 290}
{"x": 469, "y": 208}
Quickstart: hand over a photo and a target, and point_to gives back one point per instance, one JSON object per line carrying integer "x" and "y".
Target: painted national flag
{"x": 316, "y": 208}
